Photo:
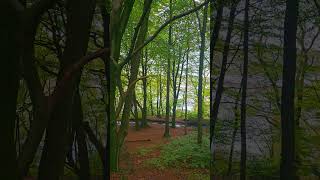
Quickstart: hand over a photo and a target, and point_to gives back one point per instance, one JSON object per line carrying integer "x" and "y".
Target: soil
{"x": 132, "y": 165}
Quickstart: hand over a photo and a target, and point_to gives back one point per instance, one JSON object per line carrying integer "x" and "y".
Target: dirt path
{"x": 132, "y": 164}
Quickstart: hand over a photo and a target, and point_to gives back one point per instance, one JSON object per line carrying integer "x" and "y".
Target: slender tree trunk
{"x": 235, "y": 130}
{"x": 83, "y": 155}
{"x": 200, "y": 80}
{"x": 119, "y": 17}
{"x": 288, "y": 164}
{"x": 96, "y": 143}
{"x": 106, "y": 43}
{"x": 84, "y": 171}
{"x": 136, "y": 115}
{"x": 151, "y": 98}
{"x": 145, "y": 96}
{"x": 166, "y": 131}
{"x": 215, "y": 24}
{"x": 134, "y": 69}
{"x": 176, "y": 86}
{"x": 160, "y": 98}
{"x": 186, "y": 93}
{"x": 219, "y": 91}
{"x": 244, "y": 95}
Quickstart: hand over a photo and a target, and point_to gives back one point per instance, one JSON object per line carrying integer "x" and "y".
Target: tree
{"x": 9, "y": 75}
{"x": 244, "y": 94}
{"x": 214, "y": 35}
{"x": 166, "y": 131}
{"x": 288, "y": 164}
{"x": 58, "y": 131}
{"x": 186, "y": 91}
{"x": 223, "y": 69}
{"x": 202, "y": 28}
{"x": 144, "y": 73}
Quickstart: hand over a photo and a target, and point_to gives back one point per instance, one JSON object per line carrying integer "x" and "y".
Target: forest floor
{"x": 143, "y": 145}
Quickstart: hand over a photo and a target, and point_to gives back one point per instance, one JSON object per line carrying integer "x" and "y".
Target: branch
{"x": 130, "y": 87}
{"x": 68, "y": 74}
{"x": 151, "y": 38}
{"x": 146, "y": 9}
{"x": 94, "y": 140}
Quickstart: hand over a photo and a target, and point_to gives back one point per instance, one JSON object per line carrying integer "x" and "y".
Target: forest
{"x": 160, "y": 89}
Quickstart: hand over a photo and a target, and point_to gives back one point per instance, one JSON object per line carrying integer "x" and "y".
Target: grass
{"x": 184, "y": 152}
{"x": 146, "y": 150}
{"x": 197, "y": 176}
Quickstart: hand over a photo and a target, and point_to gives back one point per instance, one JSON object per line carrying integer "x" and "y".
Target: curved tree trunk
{"x": 59, "y": 126}
{"x": 134, "y": 69}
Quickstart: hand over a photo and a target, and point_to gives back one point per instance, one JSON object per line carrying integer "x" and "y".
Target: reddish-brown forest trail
{"x": 133, "y": 165}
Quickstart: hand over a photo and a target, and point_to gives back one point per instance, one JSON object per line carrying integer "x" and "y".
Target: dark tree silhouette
{"x": 288, "y": 167}
{"x": 244, "y": 94}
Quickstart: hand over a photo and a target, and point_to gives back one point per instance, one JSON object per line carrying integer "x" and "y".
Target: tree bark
{"x": 200, "y": 80}
{"x": 144, "y": 84}
{"x": 288, "y": 165}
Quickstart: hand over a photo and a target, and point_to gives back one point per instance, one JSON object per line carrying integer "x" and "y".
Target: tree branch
{"x": 151, "y": 38}
{"x": 68, "y": 74}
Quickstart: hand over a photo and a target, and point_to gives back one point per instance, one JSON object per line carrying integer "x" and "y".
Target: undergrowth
{"x": 184, "y": 152}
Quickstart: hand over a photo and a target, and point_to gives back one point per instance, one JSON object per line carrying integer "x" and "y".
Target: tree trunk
{"x": 144, "y": 83}
{"x": 106, "y": 43}
{"x": 186, "y": 93}
{"x": 151, "y": 98}
{"x": 235, "y": 130}
{"x": 9, "y": 75}
{"x": 288, "y": 124}
{"x": 244, "y": 95}
{"x": 119, "y": 17}
{"x": 215, "y": 24}
{"x": 84, "y": 171}
{"x": 136, "y": 115}
{"x": 58, "y": 131}
{"x": 166, "y": 131}
{"x": 134, "y": 69}
{"x": 200, "y": 80}
{"x": 219, "y": 90}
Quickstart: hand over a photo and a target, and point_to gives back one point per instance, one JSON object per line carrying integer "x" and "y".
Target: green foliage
{"x": 197, "y": 176}
{"x": 145, "y": 151}
{"x": 184, "y": 152}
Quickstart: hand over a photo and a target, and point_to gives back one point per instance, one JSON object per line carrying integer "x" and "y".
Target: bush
{"x": 184, "y": 152}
